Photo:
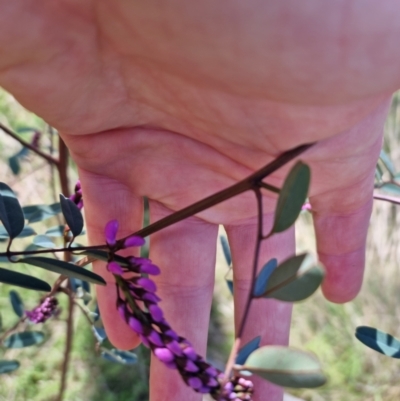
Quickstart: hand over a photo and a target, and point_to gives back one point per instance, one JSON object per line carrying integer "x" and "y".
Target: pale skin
{"x": 177, "y": 100}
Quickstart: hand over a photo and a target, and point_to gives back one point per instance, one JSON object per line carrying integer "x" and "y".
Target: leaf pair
{"x": 293, "y": 280}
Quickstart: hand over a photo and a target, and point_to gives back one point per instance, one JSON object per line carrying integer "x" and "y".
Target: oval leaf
{"x": 23, "y": 280}
{"x": 247, "y": 349}
{"x": 226, "y": 249}
{"x": 43, "y": 241}
{"x": 229, "y": 283}
{"x": 295, "y": 279}
{"x": 99, "y": 333}
{"x": 119, "y": 356}
{"x": 286, "y": 367}
{"x": 35, "y": 213}
{"x": 26, "y": 232}
{"x": 65, "y": 268}
{"x": 8, "y": 366}
{"x": 262, "y": 279}
{"x": 25, "y": 339}
{"x": 292, "y": 197}
{"x": 72, "y": 214}
{"x": 16, "y": 303}
{"x": 11, "y": 214}
{"x": 379, "y": 341}
{"x": 13, "y": 162}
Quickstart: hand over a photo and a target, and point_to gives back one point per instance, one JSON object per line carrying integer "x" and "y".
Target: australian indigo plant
{"x": 138, "y": 303}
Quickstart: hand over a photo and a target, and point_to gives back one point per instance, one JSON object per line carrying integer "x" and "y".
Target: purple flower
{"x": 150, "y": 269}
{"x": 195, "y": 382}
{"x": 190, "y": 353}
{"x": 44, "y": 311}
{"x": 135, "y": 325}
{"x": 191, "y": 367}
{"x": 115, "y": 268}
{"x": 135, "y": 240}
{"x": 164, "y": 355}
{"x": 156, "y": 313}
{"x": 146, "y": 284}
{"x": 111, "y": 232}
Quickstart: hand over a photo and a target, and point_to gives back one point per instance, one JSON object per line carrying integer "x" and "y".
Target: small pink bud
{"x": 164, "y": 355}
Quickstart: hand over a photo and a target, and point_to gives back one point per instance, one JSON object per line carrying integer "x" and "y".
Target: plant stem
{"x": 62, "y": 166}
{"x": 45, "y": 156}
{"x": 390, "y": 199}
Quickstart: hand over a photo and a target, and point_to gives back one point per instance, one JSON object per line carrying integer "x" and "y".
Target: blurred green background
{"x": 355, "y": 372}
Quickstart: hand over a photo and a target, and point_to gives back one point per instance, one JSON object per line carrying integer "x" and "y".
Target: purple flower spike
{"x": 156, "y": 313}
{"x": 150, "y": 269}
{"x": 135, "y": 240}
{"x": 135, "y": 325}
{"x": 175, "y": 348}
{"x": 155, "y": 338}
{"x": 164, "y": 355}
{"x": 191, "y": 367}
{"x": 195, "y": 382}
{"x": 150, "y": 297}
{"x": 111, "y": 232}
{"x": 146, "y": 284}
{"x": 171, "y": 333}
{"x": 115, "y": 268}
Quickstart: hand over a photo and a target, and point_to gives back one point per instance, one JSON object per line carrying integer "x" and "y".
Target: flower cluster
{"x": 140, "y": 310}
{"x": 44, "y": 311}
{"x": 76, "y": 197}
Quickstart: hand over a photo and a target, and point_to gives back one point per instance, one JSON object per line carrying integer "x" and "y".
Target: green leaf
{"x": 43, "y": 241}
{"x": 262, "y": 278}
{"x": 13, "y": 162}
{"x": 17, "y": 303}
{"x": 295, "y": 279}
{"x": 72, "y": 214}
{"x": 229, "y": 283}
{"x": 25, "y": 339}
{"x": 56, "y": 231}
{"x": 379, "y": 341}
{"x": 292, "y": 197}
{"x": 99, "y": 333}
{"x": 35, "y": 213}
{"x": 390, "y": 188}
{"x": 23, "y": 280}
{"x": 286, "y": 367}
{"x": 65, "y": 268}
{"x": 247, "y": 349}
{"x": 226, "y": 249}
{"x": 387, "y": 163}
{"x": 119, "y": 356}
{"x": 10, "y": 211}
{"x": 8, "y": 366}
{"x": 26, "y": 232}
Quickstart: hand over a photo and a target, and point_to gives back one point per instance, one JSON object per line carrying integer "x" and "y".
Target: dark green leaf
{"x": 286, "y": 367}
{"x": 17, "y": 303}
{"x": 65, "y": 268}
{"x": 295, "y": 279}
{"x": 292, "y": 197}
{"x": 25, "y": 339}
{"x": 226, "y": 249}
{"x": 229, "y": 283}
{"x": 262, "y": 279}
{"x": 8, "y": 366}
{"x": 379, "y": 341}
{"x": 103, "y": 255}
{"x": 13, "y": 162}
{"x": 43, "y": 241}
{"x": 26, "y": 232}
{"x": 23, "y": 280}
{"x": 119, "y": 356}
{"x": 72, "y": 214}
{"x": 10, "y": 211}
{"x": 247, "y": 349}
{"x": 35, "y": 213}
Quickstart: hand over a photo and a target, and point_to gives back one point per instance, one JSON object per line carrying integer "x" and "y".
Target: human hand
{"x": 178, "y": 105}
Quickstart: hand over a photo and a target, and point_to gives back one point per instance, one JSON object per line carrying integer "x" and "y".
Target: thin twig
{"x": 45, "y": 156}
{"x": 390, "y": 199}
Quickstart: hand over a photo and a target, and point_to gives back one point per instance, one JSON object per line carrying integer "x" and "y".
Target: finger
{"x": 185, "y": 253}
{"x": 267, "y": 318}
{"x": 341, "y": 221}
{"x": 106, "y": 199}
